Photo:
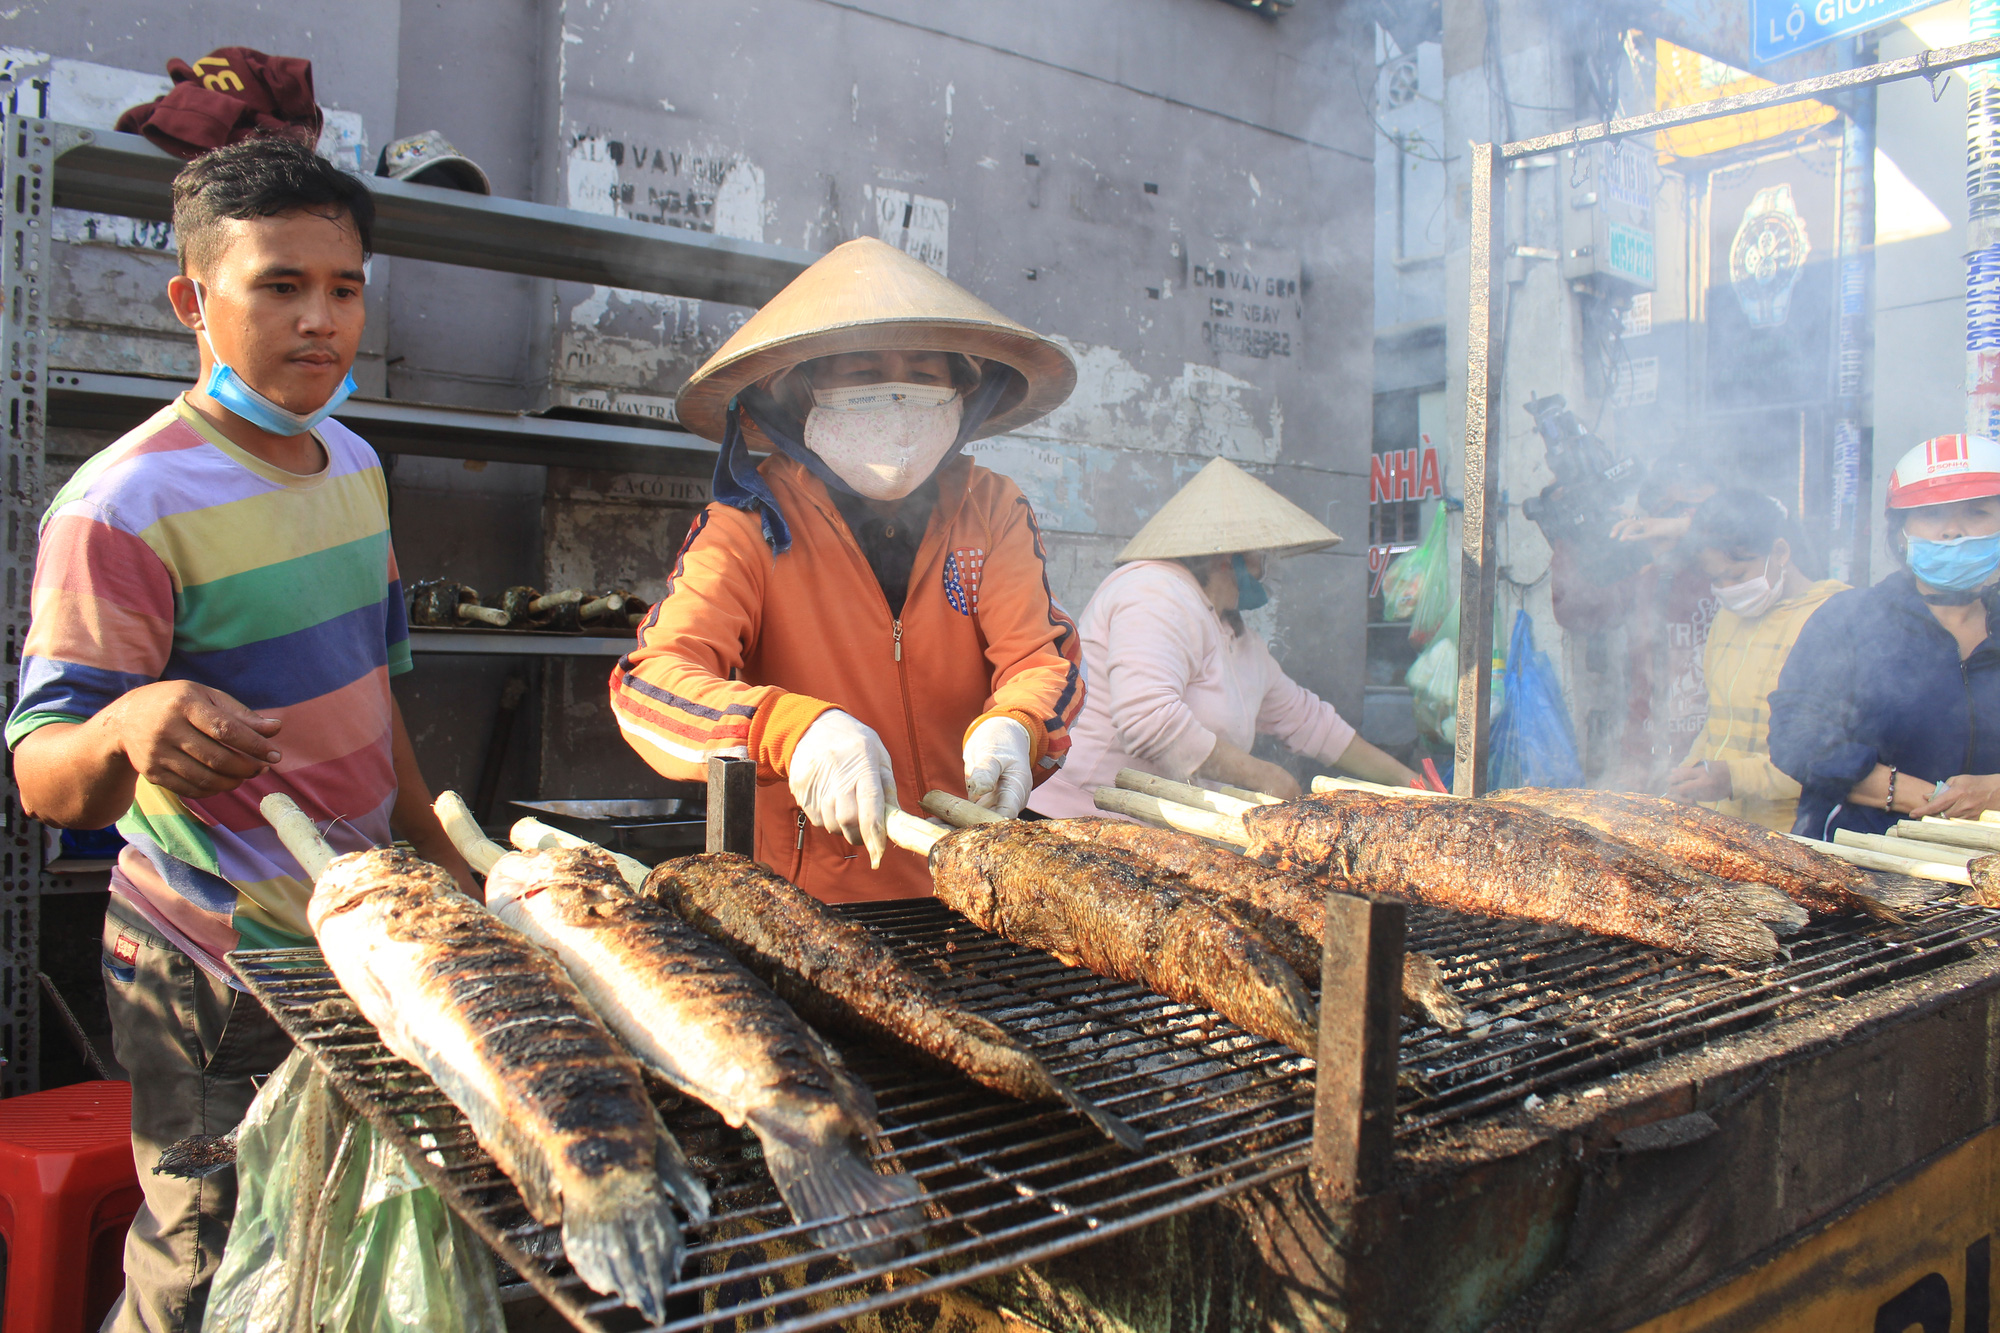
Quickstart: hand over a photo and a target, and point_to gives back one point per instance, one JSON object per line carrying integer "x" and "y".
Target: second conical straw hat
{"x": 868, "y": 296}
{"x": 1223, "y": 510}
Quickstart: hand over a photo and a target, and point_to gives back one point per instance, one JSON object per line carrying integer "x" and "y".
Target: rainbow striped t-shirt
{"x": 176, "y": 555}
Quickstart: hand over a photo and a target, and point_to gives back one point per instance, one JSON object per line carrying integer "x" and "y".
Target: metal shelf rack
{"x": 45, "y": 165}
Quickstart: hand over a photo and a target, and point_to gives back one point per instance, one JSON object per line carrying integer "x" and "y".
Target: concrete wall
{"x": 1088, "y": 170}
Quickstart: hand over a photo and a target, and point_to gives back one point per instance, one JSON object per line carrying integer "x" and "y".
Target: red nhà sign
{"x": 1405, "y": 474}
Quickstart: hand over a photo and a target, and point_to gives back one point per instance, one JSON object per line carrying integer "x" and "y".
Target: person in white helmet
{"x": 1180, "y": 687}
{"x": 1889, "y": 706}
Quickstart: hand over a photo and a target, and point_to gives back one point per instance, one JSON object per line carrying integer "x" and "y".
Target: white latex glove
{"x": 841, "y": 777}
{"x": 996, "y": 766}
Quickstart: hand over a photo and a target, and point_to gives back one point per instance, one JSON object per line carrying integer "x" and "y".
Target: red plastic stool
{"x": 68, "y": 1191}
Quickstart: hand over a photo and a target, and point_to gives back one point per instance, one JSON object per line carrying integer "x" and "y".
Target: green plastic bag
{"x": 1437, "y": 601}
{"x": 314, "y": 1179}
{"x": 1425, "y": 567}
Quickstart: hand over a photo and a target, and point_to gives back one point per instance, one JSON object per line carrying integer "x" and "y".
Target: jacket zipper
{"x": 799, "y": 850}
{"x": 1971, "y": 717}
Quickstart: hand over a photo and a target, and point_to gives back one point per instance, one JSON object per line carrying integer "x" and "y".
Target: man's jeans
{"x": 192, "y": 1045}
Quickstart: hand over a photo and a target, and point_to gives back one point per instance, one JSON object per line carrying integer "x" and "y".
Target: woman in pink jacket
{"x": 1178, "y": 685}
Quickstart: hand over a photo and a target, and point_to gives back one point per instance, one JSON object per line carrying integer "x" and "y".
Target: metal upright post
{"x": 732, "y": 806}
{"x": 1360, "y": 1013}
{"x": 1476, "y": 568}
{"x": 26, "y": 181}
{"x": 1853, "y": 433}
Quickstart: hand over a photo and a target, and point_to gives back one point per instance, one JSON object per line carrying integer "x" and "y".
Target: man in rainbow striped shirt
{"x": 216, "y": 616}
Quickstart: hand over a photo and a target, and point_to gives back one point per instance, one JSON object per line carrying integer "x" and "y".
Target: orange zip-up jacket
{"x": 747, "y": 648}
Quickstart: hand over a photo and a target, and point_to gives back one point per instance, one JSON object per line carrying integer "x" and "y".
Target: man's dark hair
{"x": 261, "y": 178}
{"x": 1740, "y": 523}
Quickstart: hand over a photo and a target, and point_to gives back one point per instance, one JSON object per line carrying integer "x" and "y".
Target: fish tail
{"x": 1424, "y": 989}
{"x": 823, "y": 1175}
{"x": 1769, "y": 905}
{"x": 1111, "y": 1126}
{"x": 1887, "y": 895}
{"x": 625, "y": 1247}
{"x": 679, "y": 1178}
{"x": 1722, "y": 929}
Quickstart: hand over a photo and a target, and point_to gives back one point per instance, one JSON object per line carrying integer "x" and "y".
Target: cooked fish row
{"x": 1107, "y": 911}
{"x": 506, "y": 1035}
{"x": 699, "y": 1019}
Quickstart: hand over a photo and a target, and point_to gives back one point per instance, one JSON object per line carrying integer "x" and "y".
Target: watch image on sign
{"x": 1771, "y": 247}
{"x": 1780, "y": 28}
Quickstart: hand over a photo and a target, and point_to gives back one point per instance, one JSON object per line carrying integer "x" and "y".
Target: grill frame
{"x": 1562, "y": 1010}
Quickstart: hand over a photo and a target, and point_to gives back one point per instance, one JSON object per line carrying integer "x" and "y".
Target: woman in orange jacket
{"x": 865, "y": 611}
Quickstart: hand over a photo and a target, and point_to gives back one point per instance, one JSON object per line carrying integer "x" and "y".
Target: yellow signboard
{"x": 1917, "y": 1259}
{"x": 1684, "y": 78}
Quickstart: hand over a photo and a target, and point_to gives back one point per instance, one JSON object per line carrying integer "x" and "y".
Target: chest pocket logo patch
{"x": 961, "y": 578}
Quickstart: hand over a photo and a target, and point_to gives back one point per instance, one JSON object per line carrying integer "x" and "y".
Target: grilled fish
{"x": 1719, "y": 845}
{"x": 1107, "y": 911}
{"x": 694, "y": 1015}
{"x": 506, "y": 1036}
{"x": 1284, "y": 908}
{"x": 842, "y": 978}
{"x": 1506, "y": 860}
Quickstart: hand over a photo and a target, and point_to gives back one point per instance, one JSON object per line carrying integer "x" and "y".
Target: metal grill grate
{"x": 1008, "y": 1184}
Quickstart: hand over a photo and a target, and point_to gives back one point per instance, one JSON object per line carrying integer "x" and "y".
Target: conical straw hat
{"x": 868, "y": 296}
{"x": 1224, "y": 510}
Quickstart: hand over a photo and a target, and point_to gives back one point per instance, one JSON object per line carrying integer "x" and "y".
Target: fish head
{"x": 513, "y": 877}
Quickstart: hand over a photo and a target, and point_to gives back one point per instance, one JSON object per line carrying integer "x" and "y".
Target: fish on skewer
{"x": 1719, "y": 845}
{"x": 1286, "y": 909}
{"x": 1108, "y": 912}
{"x": 506, "y": 1035}
{"x": 699, "y": 1019}
{"x": 1498, "y": 859}
{"x": 840, "y": 977}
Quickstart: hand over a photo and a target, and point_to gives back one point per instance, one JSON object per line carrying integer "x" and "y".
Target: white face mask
{"x": 1752, "y": 597}
{"x": 884, "y": 440}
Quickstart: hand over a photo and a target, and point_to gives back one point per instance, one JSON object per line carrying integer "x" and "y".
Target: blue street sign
{"x": 1780, "y": 28}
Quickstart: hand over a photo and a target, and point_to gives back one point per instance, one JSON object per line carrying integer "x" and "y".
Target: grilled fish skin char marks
{"x": 842, "y": 978}
{"x": 1110, "y": 912}
{"x": 508, "y": 1038}
{"x": 1715, "y": 844}
{"x": 1285, "y": 909}
{"x": 693, "y": 1014}
{"x": 1496, "y": 859}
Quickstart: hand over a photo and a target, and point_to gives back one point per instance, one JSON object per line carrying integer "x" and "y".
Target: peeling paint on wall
{"x": 1204, "y": 410}
{"x": 916, "y": 224}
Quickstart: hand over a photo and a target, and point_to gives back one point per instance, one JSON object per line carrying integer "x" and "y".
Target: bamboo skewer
{"x": 959, "y": 812}
{"x": 913, "y": 834}
{"x": 1910, "y": 847}
{"x": 1895, "y": 865}
{"x": 1950, "y": 832}
{"x": 532, "y": 835}
{"x": 1241, "y": 793}
{"x": 1182, "y": 793}
{"x": 299, "y": 834}
{"x": 1171, "y": 814}
{"x": 1324, "y": 784}
{"x": 480, "y": 852}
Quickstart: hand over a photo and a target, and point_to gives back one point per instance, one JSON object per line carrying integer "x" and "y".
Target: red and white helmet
{"x": 1950, "y": 467}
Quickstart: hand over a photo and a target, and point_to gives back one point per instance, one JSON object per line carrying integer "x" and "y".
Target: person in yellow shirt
{"x": 1737, "y": 539}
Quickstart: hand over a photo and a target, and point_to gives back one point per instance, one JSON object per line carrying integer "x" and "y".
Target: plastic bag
{"x": 1433, "y": 682}
{"x": 314, "y": 1179}
{"x": 1437, "y": 605}
{"x": 1534, "y": 744}
{"x": 1408, "y": 574}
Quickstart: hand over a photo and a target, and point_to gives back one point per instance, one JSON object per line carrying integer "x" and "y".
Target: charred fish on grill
{"x": 1720, "y": 845}
{"x": 1498, "y": 859}
{"x": 1287, "y": 910}
{"x": 506, "y": 1036}
{"x": 1109, "y": 912}
{"x": 695, "y": 1016}
{"x": 842, "y": 978}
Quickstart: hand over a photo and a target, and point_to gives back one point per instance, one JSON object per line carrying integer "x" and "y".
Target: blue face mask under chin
{"x": 233, "y": 392}
{"x": 1959, "y": 566}
{"x": 1250, "y": 590}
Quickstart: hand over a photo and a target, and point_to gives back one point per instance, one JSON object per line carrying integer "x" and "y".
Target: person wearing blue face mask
{"x": 1889, "y": 706}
